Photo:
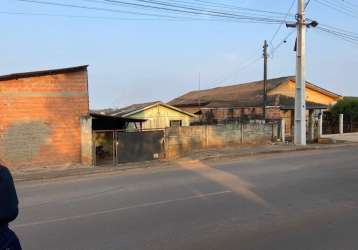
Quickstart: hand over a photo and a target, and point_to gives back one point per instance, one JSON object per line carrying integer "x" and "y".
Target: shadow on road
{"x": 233, "y": 182}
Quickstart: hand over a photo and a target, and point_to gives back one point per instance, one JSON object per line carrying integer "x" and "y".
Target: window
{"x": 175, "y": 123}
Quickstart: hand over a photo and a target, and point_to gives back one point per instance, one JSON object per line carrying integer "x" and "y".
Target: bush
{"x": 347, "y": 106}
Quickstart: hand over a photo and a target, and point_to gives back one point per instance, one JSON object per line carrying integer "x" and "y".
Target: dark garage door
{"x": 139, "y": 146}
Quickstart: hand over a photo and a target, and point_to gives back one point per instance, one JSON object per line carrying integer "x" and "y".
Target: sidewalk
{"x": 21, "y": 175}
{"x": 348, "y": 137}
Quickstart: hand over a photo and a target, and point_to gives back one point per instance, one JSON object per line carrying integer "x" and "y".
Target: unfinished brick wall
{"x": 40, "y": 119}
{"x": 273, "y": 113}
{"x": 220, "y": 114}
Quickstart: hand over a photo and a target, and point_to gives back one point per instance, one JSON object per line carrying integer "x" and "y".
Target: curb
{"x": 277, "y": 151}
{"x": 165, "y": 163}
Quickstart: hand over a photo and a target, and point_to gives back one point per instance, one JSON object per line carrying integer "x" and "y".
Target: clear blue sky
{"x": 135, "y": 61}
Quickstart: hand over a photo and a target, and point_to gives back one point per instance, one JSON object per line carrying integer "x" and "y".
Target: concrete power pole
{"x": 300, "y": 100}
{"x": 265, "y": 81}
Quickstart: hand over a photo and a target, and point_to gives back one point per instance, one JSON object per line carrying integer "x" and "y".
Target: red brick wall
{"x": 235, "y": 113}
{"x": 40, "y": 119}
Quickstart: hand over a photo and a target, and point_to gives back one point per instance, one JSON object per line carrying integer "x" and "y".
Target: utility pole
{"x": 300, "y": 100}
{"x": 265, "y": 80}
{"x": 300, "y": 48}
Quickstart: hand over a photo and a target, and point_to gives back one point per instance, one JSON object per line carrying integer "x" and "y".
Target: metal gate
{"x": 139, "y": 146}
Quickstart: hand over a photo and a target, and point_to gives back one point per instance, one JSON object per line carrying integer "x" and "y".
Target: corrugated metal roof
{"x": 132, "y": 108}
{"x": 135, "y": 108}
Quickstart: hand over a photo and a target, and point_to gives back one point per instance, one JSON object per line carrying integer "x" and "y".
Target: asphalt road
{"x": 301, "y": 200}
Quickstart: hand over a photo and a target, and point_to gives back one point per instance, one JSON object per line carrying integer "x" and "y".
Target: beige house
{"x": 157, "y": 115}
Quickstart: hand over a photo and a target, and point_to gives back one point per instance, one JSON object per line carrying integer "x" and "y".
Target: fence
{"x": 179, "y": 141}
{"x": 113, "y": 147}
{"x": 330, "y": 124}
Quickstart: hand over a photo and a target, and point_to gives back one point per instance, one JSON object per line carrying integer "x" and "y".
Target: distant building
{"x": 40, "y": 117}
{"x": 157, "y": 115}
{"x": 245, "y": 101}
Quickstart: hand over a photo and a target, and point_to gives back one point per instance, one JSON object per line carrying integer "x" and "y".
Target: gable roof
{"x": 136, "y": 108}
{"x": 42, "y": 72}
{"x": 246, "y": 93}
{"x": 238, "y": 95}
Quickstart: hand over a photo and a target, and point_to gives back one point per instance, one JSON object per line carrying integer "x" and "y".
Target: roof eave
{"x": 139, "y": 110}
{"x": 96, "y": 115}
{"x": 155, "y": 104}
{"x": 42, "y": 72}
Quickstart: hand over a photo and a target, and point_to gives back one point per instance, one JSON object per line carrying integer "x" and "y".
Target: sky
{"x": 133, "y": 61}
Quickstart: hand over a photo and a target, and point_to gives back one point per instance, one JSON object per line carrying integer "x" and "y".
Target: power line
{"x": 334, "y": 6}
{"x": 195, "y": 11}
{"x": 339, "y": 29}
{"x": 179, "y": 8}
{"x": 206, "y": 4}
{"x": 176, "y": 19}
{"x": 345, "y": 35}
{"x": 104, "y": 17}
{"x": 339, "y": 37}
{"x": 343, "y": 5}
{"x": 63, "y": 15}
{"x": 285, "y": 19}
{"x": 93, "y": 8}
{"x": 338, "y": 33}
{"x": 307, "y": 3}
{"x": 283, "y": 41}
{"x": 354, "y": 5}
{"x": 230, "y": 6}
{"x": 221, "y": 15}
{"x": 242, "y": 68}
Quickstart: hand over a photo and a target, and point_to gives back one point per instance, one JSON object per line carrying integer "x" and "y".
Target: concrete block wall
{"x": 225, "y": 135}
{"x": 87, "y": 145}
{"x": 259, "y": 133}
{"x": 40, "y": 119}
{"x": 182, "y": 140}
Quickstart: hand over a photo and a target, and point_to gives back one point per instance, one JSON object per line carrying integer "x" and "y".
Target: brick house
{"x": 40, "y": 122}
{"x": 245, "y": 101}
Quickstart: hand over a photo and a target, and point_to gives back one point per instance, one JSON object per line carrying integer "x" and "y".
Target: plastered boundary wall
{"x": 181, "y": 140}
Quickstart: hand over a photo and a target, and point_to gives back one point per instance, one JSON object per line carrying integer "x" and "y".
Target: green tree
{"x": 348, "y": 106}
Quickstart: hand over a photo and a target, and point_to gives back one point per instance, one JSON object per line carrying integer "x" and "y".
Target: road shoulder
{"x": 214, "y": 154}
